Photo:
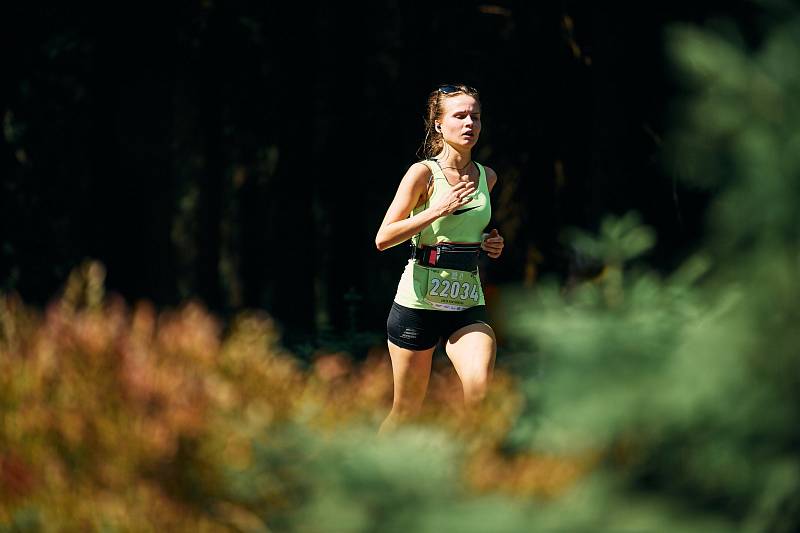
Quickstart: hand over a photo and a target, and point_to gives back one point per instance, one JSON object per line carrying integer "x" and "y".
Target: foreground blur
{"x": 630, "y": 401}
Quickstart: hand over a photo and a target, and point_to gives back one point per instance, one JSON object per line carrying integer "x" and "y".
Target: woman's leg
{"x": 411, "y": 370}
{"x": 472, "y": 350}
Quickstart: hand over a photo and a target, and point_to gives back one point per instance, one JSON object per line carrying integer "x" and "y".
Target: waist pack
{"x": 449, "y": 255}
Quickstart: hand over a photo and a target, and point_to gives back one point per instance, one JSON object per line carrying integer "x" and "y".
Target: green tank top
{"x": 466, "y": 224}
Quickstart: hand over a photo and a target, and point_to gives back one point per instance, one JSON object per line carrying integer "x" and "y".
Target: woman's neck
{"x": 454, "y": 159}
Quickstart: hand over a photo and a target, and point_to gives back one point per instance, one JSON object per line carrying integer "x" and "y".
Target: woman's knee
{"x": 477, "y": 384}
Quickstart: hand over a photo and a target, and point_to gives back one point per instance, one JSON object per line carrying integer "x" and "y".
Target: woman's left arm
{"x": 492, "y": 242}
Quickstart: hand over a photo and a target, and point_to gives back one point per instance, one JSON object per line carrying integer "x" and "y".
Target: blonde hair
{"x": 434, "y": 142}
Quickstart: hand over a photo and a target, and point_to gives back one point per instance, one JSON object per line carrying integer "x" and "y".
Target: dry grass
{"x": 127, "y": 416}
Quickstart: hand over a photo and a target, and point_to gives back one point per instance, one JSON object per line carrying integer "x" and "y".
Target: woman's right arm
{"x": 397, "y": 227}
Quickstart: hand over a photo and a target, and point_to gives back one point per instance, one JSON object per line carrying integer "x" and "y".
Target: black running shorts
{"x": 421, "y": 329}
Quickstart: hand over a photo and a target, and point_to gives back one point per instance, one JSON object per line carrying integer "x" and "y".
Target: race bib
{"x": 452, "y": 290}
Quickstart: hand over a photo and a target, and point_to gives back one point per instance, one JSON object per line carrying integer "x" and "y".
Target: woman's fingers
{"x": 462, "y": 192}
{"x": 492, "y": 252}
{"x": 458, "y": 196}
{"x": 493, "y": 244}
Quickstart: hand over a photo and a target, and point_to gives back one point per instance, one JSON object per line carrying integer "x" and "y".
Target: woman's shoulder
{"x": 420, "y": 166}
{"x": 418, "y": 172}
{"x": 491, "y": 175}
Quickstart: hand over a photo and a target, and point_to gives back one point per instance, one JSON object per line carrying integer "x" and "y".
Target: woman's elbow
{"x": 380, "y": 242}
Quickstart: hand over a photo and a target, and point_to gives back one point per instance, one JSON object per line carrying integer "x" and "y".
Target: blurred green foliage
{"x": 689, "y": 384}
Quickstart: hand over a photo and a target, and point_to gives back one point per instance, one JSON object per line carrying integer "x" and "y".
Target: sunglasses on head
{"x": 450, "y": 89}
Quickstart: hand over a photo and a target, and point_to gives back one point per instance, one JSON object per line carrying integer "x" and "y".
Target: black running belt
{"x": 449, "y": 255}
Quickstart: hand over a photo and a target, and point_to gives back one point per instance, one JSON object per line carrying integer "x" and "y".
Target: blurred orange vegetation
{"x": 115, "y": 415}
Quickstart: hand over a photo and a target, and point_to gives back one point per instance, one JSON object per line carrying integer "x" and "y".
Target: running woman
{"x": 442, "y": 204}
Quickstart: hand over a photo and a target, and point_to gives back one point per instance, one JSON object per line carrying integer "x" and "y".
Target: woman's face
{"x": 461, "y": 120}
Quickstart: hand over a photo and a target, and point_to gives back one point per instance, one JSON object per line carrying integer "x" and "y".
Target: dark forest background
{"x": 244, "y": 154}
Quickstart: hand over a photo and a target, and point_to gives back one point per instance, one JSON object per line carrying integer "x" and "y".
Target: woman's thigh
{"x": 472, "y": 350}
{"x": 411, "y": 370}
{"x": 413, "y": 336}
